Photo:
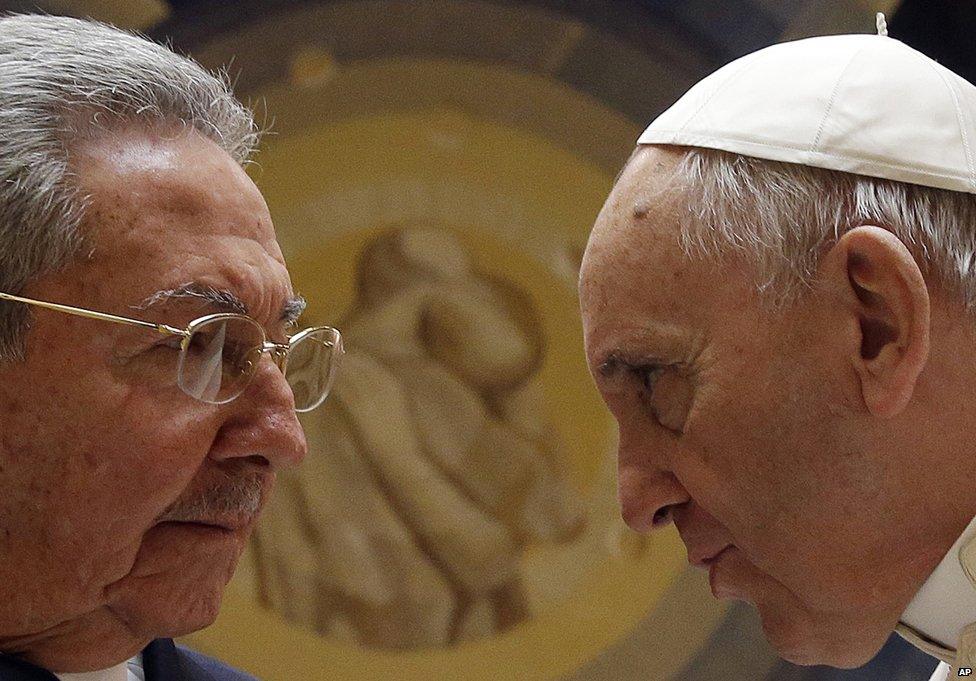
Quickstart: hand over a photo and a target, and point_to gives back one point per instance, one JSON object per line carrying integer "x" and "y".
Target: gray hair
{"x": 62, "y": 79}
{"x": 781, "y": 217}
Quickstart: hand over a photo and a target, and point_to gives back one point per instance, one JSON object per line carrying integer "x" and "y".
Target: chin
{"x": 179, "y": 619}
{"x": 176, "y": 583}
{"x": 169, "y": 610}
{"x": 810, "y": 657}
{"x": 804, "y": 641}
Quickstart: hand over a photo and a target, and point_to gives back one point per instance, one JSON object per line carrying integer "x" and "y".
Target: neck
{"x": 98, "y": 640}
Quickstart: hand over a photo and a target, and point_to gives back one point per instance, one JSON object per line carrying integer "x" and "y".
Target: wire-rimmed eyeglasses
{"x": 219, "y": 354}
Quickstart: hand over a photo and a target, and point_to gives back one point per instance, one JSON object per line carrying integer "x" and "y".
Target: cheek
{"x": 90, "y": 482}
{"x": 152, "y": 464}
{"x": 108, "y": 466}
{"x": 769, "y": 462}
{"x": 155, "y": 443}
{"x": 743, "y": 458}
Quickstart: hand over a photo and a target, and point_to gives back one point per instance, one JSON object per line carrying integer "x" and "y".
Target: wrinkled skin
{"x": 98, "y": 443}
{"x": 829, "y": 445}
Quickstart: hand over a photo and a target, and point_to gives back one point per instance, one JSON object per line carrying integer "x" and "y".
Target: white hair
{"x": 781, "y": 217}
{"x": 62, "y": 79}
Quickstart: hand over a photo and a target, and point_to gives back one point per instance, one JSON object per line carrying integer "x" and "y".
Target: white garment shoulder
{"x": 941, "y": 672}
{"x": 946, "y": 602}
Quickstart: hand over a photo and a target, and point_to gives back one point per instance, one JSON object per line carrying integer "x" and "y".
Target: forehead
{"x": 166, "y": 208}
{"x": 635, "y": 282}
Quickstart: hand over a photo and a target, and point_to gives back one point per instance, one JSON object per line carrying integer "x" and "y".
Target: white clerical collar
{"x": 947, "y": 600}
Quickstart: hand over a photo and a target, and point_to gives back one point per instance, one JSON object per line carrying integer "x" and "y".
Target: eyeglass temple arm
{"x": 91, "y": 314}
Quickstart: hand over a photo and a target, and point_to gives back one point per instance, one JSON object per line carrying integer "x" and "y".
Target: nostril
{"x": 662, "y": 517}
{"x": 259, "y": 460}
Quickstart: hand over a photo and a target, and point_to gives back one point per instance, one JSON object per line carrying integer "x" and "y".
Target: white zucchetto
{"x": 864, "y": 104}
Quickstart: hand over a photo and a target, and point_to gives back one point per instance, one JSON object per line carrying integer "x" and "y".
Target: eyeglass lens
{"x": 222, "y": 354}
{"x": 311, "y": 367}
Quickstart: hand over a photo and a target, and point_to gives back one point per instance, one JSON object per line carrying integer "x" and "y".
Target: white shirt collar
{"x": 947, "y": 600}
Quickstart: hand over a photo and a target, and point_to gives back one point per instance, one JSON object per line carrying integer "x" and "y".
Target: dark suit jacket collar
{"x": 160, "y": 660}
{"x": 15, "y": 669}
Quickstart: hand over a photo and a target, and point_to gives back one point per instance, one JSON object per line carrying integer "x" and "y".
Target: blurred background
{"x": 433, "y": 168}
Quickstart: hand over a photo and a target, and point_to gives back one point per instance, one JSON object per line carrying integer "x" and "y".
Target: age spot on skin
{"x": 12, "y": 408}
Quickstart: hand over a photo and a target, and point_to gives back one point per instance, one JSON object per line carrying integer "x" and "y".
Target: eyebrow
{"x": 221, "y": 300}
{"x": 653, "y": 343}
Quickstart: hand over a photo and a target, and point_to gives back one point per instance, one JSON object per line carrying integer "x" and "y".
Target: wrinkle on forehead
{"x": 634, "y": 271}
{"x": 165, "y": 210}
{"x": 145, "y": 173}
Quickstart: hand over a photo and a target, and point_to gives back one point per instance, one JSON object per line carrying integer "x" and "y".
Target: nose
{"x": 262, "y": 422}
{"x": 647, "y": 497}
{"x": 646, "y": 489}
{"x": 278, "y": 355}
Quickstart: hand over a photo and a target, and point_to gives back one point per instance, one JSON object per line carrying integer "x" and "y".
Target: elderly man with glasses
{"x": 142, "y": 285}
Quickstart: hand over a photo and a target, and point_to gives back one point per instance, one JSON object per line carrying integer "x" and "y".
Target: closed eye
{"x": 618, "y": 373}
{"x": 663, "y": 409}
{"x": 646, "y": 376}
{"x": 619, "y": 376}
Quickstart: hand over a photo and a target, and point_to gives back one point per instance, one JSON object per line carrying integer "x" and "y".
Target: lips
{"x": 703, "y": 558}
{"x": 228, "y": 523}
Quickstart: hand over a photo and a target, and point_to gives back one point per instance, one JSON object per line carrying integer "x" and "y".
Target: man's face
{"x": 97, "y": 441}
{"x": 750, "y": 428}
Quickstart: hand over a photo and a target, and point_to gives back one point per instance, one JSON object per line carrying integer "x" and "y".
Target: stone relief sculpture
{"x": 431, "y": 469}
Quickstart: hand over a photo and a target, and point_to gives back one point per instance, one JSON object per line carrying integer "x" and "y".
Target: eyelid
{"x": 618, "y": 360}
{"x": 647, "y": 375}
{"x": 617, "y": 373}
{"x": 648, "y": 371}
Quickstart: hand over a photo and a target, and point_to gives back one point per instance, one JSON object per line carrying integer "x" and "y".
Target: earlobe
{"x": 890, "y": 300}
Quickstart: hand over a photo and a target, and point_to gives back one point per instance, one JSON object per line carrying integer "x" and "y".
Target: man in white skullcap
{"x": 778, "y": 302}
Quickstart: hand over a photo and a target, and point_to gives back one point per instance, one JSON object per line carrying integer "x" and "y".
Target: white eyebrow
{"x": 221, "y": 299}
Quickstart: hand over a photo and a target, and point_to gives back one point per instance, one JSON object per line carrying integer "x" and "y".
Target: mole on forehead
{"x": 655, "y": 193}
{"x": 641, "y": 209}
{"x": 657, "y": 203}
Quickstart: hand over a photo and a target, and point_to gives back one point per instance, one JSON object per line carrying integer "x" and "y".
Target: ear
{"x": 888, "y": 301}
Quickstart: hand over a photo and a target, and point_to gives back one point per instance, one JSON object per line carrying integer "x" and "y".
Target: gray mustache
{"x": 241, "y": 496}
